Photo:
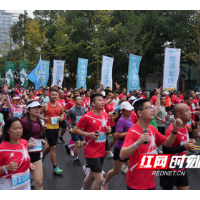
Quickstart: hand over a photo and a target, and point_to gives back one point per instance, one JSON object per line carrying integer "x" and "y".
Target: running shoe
{"x": 110, "y": 154}
{"x": 159, "y": 151}
{"x": 72, "y": 152}
{"x": 86, "y": 170}
{"x": 67, "y": 150}
{"x": 124, "y": 168}
{"x": 61, "y": 139}
{"x": 104, "y": 186}
{"x": 57, "y": 170}
{"x": 77, "y": 162}
{"x": 103, "y": 172}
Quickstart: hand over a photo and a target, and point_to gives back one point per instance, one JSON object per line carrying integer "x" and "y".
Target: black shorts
{"x": 161, "y": 130}
{"x": 62, "y": 124}
{"x": 168, "y": 109}
{"x": 77, "y": 137}
{"x": 168, "y": 182}
{"x": 52, "y": 136}
{"x": 95, "y": 164}
{"x": 196, "y": 118}
{"x": 113, "y": 129}
{"x": 116, "y": 155}
{"x": 34, "y": 157}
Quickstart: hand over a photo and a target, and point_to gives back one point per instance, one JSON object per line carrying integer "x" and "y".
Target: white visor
{"x": 33, "y": 104}
{"x": 126, "y": 105}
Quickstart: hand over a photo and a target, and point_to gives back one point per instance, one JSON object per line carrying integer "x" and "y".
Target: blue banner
{"x": 40, "y": 75}
{"x": 35, "y": 75}
{"x": 82, "y": 73}
{"x": 133, "y": 77}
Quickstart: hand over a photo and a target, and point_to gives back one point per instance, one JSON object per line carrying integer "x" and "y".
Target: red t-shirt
{"x": 144, "y": 97}
{"x": 181, "y": 97}
{"x": 153, "y": 99}
{"x": 121, "y": 95}
{"x": 141, "y": 179}
{"x": 110, "y": 108}
{"x": 182, "y": 138}
{"x": 173, "y": 96}
{"x": 87, "y": 100}
{"x": 84, "y": 104}
{"x": 196, "y": 104}
{"x": 70, "y": 104}
{"x": 34, "y": 96}
{"x": 10, "y": 152}
{"x": 92, "y": 123}
{"x": 134, "y": 117}
{"x": 176, "y": 100}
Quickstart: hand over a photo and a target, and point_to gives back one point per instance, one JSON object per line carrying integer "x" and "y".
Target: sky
{"x": 30, "y": 12}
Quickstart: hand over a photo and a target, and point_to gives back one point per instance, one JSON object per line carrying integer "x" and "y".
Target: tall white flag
{"x": 171, "y": 68}
{"x": 58, "y": 71}
{"x": 106, "y": 72}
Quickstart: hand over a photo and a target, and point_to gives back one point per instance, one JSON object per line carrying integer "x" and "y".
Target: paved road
{"x": 73, "y": 176}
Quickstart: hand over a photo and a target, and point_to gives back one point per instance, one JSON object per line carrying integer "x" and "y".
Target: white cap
{"x": 33, "y": 104}
{"x": 197, "y": 93}
{"x": 132, "y": 98}
{"x": 126, "y": 105}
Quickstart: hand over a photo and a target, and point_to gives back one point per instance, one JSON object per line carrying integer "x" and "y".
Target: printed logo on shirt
{"x": 11, "y": 155}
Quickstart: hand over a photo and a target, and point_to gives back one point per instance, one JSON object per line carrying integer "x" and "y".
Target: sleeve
{"x": 82, "y": 122}
{"x": 173, "y": 150}
{"x": 68, "y": 115}
{"x": 120, "y": 126}
{"x": 67, "y": 106}
{"x": 129, "y": 139}
{"x": 153, "y": 100}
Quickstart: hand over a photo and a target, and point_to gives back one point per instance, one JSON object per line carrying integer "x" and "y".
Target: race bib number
{"x": 101, "y": 138}
{"x": 88, "y": 104}
{"x": 36, "y": 148}
{"x": 193, "y": 106}
{"x": 189, "y": 123}
{"x": 55, "y": 120}
{"x": 78, "y": 118}
{"x": 21, "y": 179}
{"x": 15, "y": 114}
{"x": 163, "y": 114}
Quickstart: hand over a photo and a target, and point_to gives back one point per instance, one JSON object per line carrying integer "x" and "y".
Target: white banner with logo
{"x": 106, "y": 72}
{"x": 171, "y": 68}
{"x": 58, "y": 71}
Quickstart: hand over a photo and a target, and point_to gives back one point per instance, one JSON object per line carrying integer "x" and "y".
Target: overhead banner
{"x": 10, "y": 72}
{"x": 171, "y": 68}
{"x": 133, "y": 77}
{"x": 106, "y": 71}
{"x": 23, "y": 73}
{"x": 82, "y": 73}
{"x": 58, "y": 72}
{"x": 45, "y": 73}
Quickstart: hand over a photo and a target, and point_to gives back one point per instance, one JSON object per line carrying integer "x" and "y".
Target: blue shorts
{"x": 77, "y": 137}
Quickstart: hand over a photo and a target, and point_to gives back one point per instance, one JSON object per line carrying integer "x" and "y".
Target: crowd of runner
{"x": 33, "y": 122}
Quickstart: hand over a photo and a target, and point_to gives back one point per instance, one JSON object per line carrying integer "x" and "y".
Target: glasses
{"x": 149, "y": 108}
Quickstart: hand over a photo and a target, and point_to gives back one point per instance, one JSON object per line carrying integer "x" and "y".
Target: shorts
{"x": 34, "y": 157}
{"x": 95, "y": 164}
{"x": 161, "y": 130}
{"x": 62, "y": 124}
{"x": 196, "y": 118}
{"x": 77, "y": 137}
{"x": 52, "y": 136}
{"x": 168, "y": 182}
{"x": 168, "y": 109}
{"x": 113, "y": 129}
{"x": 116, "y": 155}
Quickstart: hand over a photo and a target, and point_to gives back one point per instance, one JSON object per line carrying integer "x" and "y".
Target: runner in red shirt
{"x": 134, "y": 117}
{"x": 123, "y": 94}
{"x": 94, "y": 150}
{"x": 14, "y": 158}
{"x": 182, "y": 143}
{"x": 84, "y": 103}
{"x": 144, "y": 92}
{"x": 34, "y": 94}
{"x": 133, "y": 147}
{"x": 176, "y": 99}
{"x": 129, "y": 95}
{"x": 62, "y": 124}
{"x": 182, "y": 96}
{"x": 192, "y": 123}
{"x": 87, "y": 98}
{"x": 154, "y": 98}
